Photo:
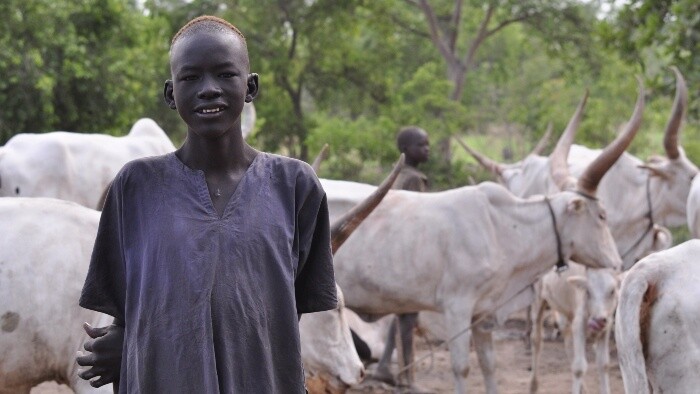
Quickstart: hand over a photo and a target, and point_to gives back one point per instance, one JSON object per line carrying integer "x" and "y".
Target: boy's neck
{"x": 216, "y": 154}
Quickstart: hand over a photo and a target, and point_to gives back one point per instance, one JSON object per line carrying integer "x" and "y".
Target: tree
{"x": 77, "y": 66}
{"x": 657, "y": 34}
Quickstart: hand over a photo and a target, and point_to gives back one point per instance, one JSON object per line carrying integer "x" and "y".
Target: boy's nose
{"x": 209, "y": 90}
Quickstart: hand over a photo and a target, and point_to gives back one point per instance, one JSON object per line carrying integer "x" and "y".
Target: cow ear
{"x": 655, "y": 169}
{"x": 663, "y": 239}
{"x": 578, "y": 281}
{"x": 576, "y": 205}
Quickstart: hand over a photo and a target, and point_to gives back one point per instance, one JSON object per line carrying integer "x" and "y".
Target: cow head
{"x": 599, "y": 289}
{"x": 585, "y": 236}
{"x": 673, "y": 174}
{"x": 328, "y": 350}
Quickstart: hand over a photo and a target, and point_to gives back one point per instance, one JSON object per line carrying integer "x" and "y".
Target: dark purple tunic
{"x": 210, "y": 303}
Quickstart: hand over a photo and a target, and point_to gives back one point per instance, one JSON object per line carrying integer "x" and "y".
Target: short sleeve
{"x": 105, "y": 285}
{"x": 315, "y": 282}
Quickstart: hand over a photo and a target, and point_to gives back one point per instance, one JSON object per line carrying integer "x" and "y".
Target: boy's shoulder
{"x": 145, "y": 166}
{"x": 289, "y": 166}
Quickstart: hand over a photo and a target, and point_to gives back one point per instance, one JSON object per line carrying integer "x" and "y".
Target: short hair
{"x": 206, "y": 23}
{"x": 406, "y": 134}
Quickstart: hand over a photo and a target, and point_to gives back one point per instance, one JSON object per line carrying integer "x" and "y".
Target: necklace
{"x": 218, "y": 192}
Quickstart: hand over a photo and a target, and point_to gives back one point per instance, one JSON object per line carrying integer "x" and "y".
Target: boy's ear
{"x": 168, "y": 94}
{"x": 253, "y": 87}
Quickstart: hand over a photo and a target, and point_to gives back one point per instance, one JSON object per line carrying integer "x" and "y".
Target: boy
{"x": 413, "y": 142}
{"x": 208, "y": 256}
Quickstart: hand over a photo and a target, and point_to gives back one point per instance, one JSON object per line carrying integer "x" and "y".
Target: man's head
{"x": 211, "y": 77}
{"x": 413, "y": 142}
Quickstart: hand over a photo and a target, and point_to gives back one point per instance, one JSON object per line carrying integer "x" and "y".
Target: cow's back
{"x": 74, "y": 166}
{"x": 39, "y": 286}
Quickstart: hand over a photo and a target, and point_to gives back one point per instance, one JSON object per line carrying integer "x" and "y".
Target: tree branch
{"x": 481, "y": 35}
{"x": 506, "y": 23}
{"x": 454, "y": 25}
{"x": 435, "y": 34}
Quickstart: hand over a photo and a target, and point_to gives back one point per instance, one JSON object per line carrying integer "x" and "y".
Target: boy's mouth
{"x": 210, "y": 110}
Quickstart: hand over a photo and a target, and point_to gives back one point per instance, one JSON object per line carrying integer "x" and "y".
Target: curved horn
{"x": 558, "y": 166}
{"x": 322, "y": 155}
{"x": 542, "y": 143}
{"x": 680, "y": 103}
{"x": 494, "y": 167}
{"x": 343, "y": 227}
{"x": 588, "y": 181}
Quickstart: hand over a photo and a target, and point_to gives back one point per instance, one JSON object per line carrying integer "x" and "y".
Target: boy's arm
{"x": 104, "y": 354}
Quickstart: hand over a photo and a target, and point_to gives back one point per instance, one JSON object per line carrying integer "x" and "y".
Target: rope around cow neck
{"x": 649, "y": 216}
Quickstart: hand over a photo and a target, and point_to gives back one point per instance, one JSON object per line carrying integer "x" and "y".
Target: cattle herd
{"x": 469, "y": 257}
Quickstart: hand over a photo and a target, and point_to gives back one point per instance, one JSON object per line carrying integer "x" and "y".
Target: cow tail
{"x": 629, "y": 330}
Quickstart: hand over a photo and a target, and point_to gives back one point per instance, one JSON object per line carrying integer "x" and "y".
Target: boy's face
{"x": 418, "y": 147}
{"x": 210, "y": 82}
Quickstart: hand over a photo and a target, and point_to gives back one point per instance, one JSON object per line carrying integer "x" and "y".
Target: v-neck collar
{"x": 203, "y": 188}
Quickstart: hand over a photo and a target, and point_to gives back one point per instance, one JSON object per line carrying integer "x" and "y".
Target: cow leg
{"x": 457, "y": 319}
{"x": 406, "y": 324}
{"x": 483, "y": 342}
{"x": 578, "y": 340}
{"x": 602, "y": 354}
{"x": 537, "y": 315}
{"x": 383, "y": 372}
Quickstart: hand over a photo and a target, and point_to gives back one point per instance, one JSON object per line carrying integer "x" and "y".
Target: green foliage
{"x": 79, "y": 66}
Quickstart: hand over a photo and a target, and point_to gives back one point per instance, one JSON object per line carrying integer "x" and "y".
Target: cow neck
{"x": 650, "y": 218}
{"x": 561, "y": 264}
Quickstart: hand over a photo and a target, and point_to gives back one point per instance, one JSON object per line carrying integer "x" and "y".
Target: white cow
{"x": 587, "y": 307}
{"x": 45, "y": 247}
{"x": 655, "y": 192}
{"x": 74, "y": 166}
{"x": 469, "y": 253}
{"x": 657, "y": 326}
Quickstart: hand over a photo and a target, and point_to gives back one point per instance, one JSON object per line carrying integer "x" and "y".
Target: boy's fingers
{"x": 99, "y": 382}
{"x": 94, "y": 332}
{"x": 84, "y": 360}
{"x": 88, "y": 374}
{"x": 88, "y": 345}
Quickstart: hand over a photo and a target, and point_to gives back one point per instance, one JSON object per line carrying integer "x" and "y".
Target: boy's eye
{"x": 227, "y": 75}
{"x": 189, "y": 77}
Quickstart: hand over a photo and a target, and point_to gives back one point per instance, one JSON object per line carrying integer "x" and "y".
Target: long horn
{"x": 588, "y": 181}
{"x": 322, "y": 155}
{"x": 343, "y": 227}
{"x": 673, "y": 126}
{"x": 494, "y": 167}
{"x": 543, "y": 142}
{"x": 558, "y": 166}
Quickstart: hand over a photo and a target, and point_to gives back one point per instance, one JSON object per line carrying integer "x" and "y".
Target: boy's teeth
{"x": 208, "y": 111}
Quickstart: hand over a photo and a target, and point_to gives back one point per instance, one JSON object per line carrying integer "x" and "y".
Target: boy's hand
{"x": 104, "y": 354}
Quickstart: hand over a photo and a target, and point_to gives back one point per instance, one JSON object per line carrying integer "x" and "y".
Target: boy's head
{"x": 413, "y": 142}
{"x": 207, "y": 24}
{"x": 211, "y": 76}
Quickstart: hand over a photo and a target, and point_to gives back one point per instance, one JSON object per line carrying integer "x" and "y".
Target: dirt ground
{"x": 513, "y": 364}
